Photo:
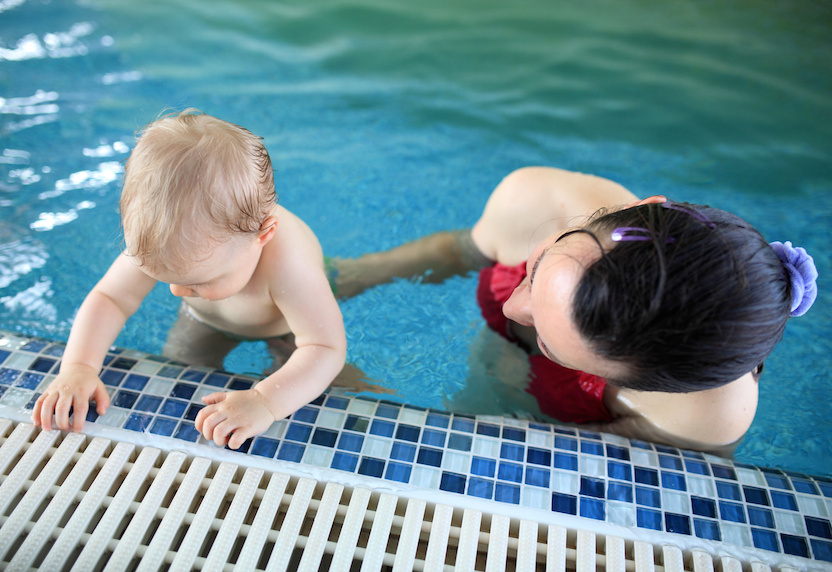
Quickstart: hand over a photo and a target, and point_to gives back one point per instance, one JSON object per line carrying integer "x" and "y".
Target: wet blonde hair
{"x": 191, "y": 182}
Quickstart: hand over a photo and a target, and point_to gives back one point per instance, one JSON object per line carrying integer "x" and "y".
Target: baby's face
{"x": 224, "y": 272}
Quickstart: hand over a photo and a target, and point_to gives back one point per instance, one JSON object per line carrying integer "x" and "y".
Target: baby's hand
{"x": 74, "y": 388}
{"x": 231, "y": 418}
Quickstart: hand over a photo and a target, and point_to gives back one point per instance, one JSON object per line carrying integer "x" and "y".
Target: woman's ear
{"x": 267, "y": 230}
{"x": 655, "y": 199}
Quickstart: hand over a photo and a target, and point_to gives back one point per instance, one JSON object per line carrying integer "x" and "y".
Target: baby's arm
{"x": 97, "y": 324}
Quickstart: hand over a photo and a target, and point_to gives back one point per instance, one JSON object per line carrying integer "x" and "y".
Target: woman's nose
{"x": 181, "y": 291}
{"x": 518, "y": 306}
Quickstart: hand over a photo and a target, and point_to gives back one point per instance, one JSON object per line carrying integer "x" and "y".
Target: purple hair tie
{"x": 802, "y": 273}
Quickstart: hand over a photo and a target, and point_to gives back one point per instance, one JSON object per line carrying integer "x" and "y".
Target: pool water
{"x": 387, "y": 120}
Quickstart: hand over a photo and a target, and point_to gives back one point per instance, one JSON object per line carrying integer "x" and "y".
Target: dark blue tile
{"x": 784, "y": 500}
{"x": 238, "y": 384}
{"x": 112, "y": 377}
{"x": 590, "y": 434}
{"x": 217, "y": 379}
{"x": 488, "y": 429}
{"x": 648, "y": 497}
{"x": 403, "y": 452}
{"x": 306, "y": 414}
{"x": 382, "y": 428}
{"x": 635, "y": 443}
{"x": 388, "y": 411}
{"x": 647, "y": 476}
{"x": 123, "y": 363}
{"x": 510, "y": 472}
{"x": 667, "y": 449}
{"x": 761, "y": 517}
{"x": 650, "y": 519}
{"x": 592, "y": 448}
{"x": 616, "y": 452}
{"x": 433, "y": 438}
{"x": 318, "y": 401}
{"x": 514, "y": 434}
{"x": 452, "y": 482}
{"x": 668, "y": 462}
{"x": 805, "y": 486}
{"x": 821, "y": 549}
{"x": 459, "y": 442}
{"x": 620, "y": 492}
{"x": 440, "y": 420}
{"x": 265, "y": 447}
{"x": 567, "y": 504}
{"x": 162, "y": 426}
{"x": 593, "y": 508}
{"x": 138, "y": 422}
{"x": 565, "y": 461}
{"x": 566, "y": 443}
{"x": 674, "y": 481}
{"x": 512, "y": 452}
{"x": 482, "y": 467}
{"x": 187, "y": 432}
{"x": 183, "y": 390}
{"x": 193, "y": 375}
{"x": 819, "y": 527}
{"x": 399, "y": 472}
{"x": 765, "y": 539}
{"x": 149, "y": 403}
{"x": 324, "y": 437}
{"x": 776, "y": 481}
{"x": 242, "y": 448}
{"x": 135, "y": 382}
{"x": 4, "y": 354}
{"x": 92, "y": 414}
{"x": 678, "y": 523}
{"x": 8, "y": 376}
{"x": 708, "y": 529}
{"x": 125, "y": 399}
{"x": 344, "y": 462}
{"x": 723, "y": 472}
{"x": 292, "y": 452}
{"x": 357, "y": 423}
{"x": 299, "y": 432}
{"x": 34, "y": 346}
{"x": 408, "y": 433}
{"x": 728, "y": 491}
{"x": 42, "y": 365}
{"x": 192, "y": 411}
{"x": 755, "y": 495}
{"x": 170, "y": 371}
{"x": 33, "y": 399}
{"x": 697, "y": 467}
{"x": 540, "y": 427}
{"x": 507, "y": 493}
{"x": 539, "y": 457}
{"x": 335, "y": 402}
{"x": 825, "y": 489}
{"x": 463, "y": 425}
{"x": 620, "y": 471}
{"x": 592, "y": 487}
{"x": 29, "y": 381}
{"x": 350, "y": 442}
{"x": 731, "y": 511}
{"x": 174, "y": 408}
{"x": 480, "y": 488}
{"x": 537, "y": 477}
{"x": 430, "y": 457}
{"x": 703, "y": 507}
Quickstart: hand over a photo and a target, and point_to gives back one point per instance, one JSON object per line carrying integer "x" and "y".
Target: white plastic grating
{"x": 74, "y": 502}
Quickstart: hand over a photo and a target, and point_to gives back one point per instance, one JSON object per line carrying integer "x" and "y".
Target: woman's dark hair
{"x": 697, "y": 305}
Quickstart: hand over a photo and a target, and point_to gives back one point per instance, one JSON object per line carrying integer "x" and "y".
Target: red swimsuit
{"x": 565, "y": 394}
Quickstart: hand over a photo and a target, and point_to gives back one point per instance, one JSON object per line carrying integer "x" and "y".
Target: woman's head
{"x": 193, "y": 179}
{"x": 687, "y": 298}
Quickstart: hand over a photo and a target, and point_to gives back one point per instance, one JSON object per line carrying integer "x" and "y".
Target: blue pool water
{"x": 387, "y": 120}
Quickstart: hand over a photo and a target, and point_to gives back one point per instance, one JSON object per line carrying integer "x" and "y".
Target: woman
{"x": 650, "y": 320}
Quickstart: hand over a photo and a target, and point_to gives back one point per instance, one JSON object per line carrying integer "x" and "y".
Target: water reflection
{"x": 52, "y": 45}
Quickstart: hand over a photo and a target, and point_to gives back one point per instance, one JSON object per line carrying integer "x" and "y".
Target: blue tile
{"x": 646, "y": 518}
{"x": 620, "y": 471}
{"x": 349, "y": 442}
{"x": 192, "y": 411}
{"x": 805, "y": 486}
{"x": 399, "y": 472}
{"x": 731, "y": 511}
{"x": 678, "y": 523}
{"x": 514, "y": 434}
{"x": 765, "y": 539}
{"x": 488, "y": 429}
{"x": 33, "y": 399}
{"x": 784, "y": 500}
{"x": 459, "y": 442}
{"x": 8, "y": 376}
{"x": 135, "y": 382}
{"x": 29, "y": 381}
{"x": 382, "y": 428}
{"x": 592, "y": 448}
{"x": 183, "y": 390}
{"x": 755, "y": 495}
{"x": 483, "y": 467}
{"x": 452, "y": 482}
{"x": 592, "y": 487}
{"x": 539, "y": 457}
{"x": 217, "y": 379}
{"x": 324, "y": 437}
{"x": 42, "y": 365}
{"x": 170, "y": 371}
{"x": 507, "y": 493}
{"x": 697, "y": 467}
{"x": 388, "y": 411}
{"x": 193, "y": 375}
{"x": 265, "y": 447}
{"x": 674, "y": 481}
{"x": 318, "y": 401}
{"x": 430, "y": 457}
{"x": 408, "y": 433}
{"x": 635, "y": 443}
{"x": 335, "y": 402}
{"x": 439, "y": 420}
{"x": 703, "y": 507}
{"x": 776, "y": 481}
{"x": 306, "y": 414}
{"x": 403, "y": 452}
{"x": 593, "y": 508}
{"x": 590, "y": 434}
{"x": 566, "y": 443}
{"x": 819, "y": 527}
{"x": 162, "y": 426}
{"x": 238, "y": 384}
{"x": 138, "y": 422}
{"x": 92, "y": 414}
{"x": 480, "y": 488}
{"x": 723, "y": 472}
{"x": 762, "y": 517}
{"x": 292, "y": 452}
{"x": 123, "y": 363}
{"x": 187, "y": 432}
{"x": 537, "y": 477}
{"x": 565, "y": 461}
{"x": 4, "y": 354}
{"x": 795, "y": 545}
{"x": 463, "y": 425}
{"x": 433, "y": 437}
{"x": 299, "y": 432}
{"x": 708, "y": 529}
{"x": 512, "y": 452}
{"x": 34, "y": 346}
{"x": 728, "y": 491}
{"x": 510, "y": 472}
{"x": 540, "y": 426}
{"x": 648, "y": 497}
{"x": 149, "y": 403}
{"x": 821, "y": 549}
{"x": 826, "y": 489}
{"x": 112, "y": 377}
{"x": 616, "y": 452}
{"x": 620, "y": 492}
{"x": 125, "y": 399}
{"x": 242, "y": 448}
{"x": 647, "y": 476}
{"x": 567, "y": 504}
{"x": 174, "y": 408}
{"x": 357, "y": 423}
{"x": 344, "y": 462}
{"x": 668, "y": 462}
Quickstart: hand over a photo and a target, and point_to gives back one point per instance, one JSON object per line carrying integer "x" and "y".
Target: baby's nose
{"x": 181, "y": 291}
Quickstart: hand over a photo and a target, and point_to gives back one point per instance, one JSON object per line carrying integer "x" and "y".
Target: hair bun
{"x": 803, "y": 276}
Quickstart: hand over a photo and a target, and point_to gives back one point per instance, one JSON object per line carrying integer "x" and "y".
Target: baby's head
{"x": 687, "y": 297}
{"x": 191, "y": 182}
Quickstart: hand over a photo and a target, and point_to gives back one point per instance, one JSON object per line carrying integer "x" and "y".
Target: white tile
{"x": 376, "y": 447}
{"x": 750, "y": 477}
{"x": 115, "y": 417}
{"x": 644, "y": 458}
{"x": 19, "y": 360}
{"x": 146, "y": 367}
{"x": 277, "y": 429}
{"x": 456, "y": 462}
{"x": 701, "y": 486}
{"x": 675, "y": 502}
{"x": 44, "y": 383}
{"x": 331, "y": 419}
{"x": 361, "y": 407}
{"x": 201, "y": 392}
{"x": 622, "y": 513}
{"x": 567, "y": 482}
{"x": 737, "y": 534}
{"x": 790, "y": 522}
{"x": 159, "y": 386}
{"x": 412, "y": 416}
{"x": 425, "y": 477}
{"x": 534, "y": 497}
{"x": 486, "y": 447}
{"x": 16, "y": 397}
{"x": 812, "y": 506}
{"x": 593, "y": 465}
{"x": 318, "y": 456}
{"x": 540, "y": 439}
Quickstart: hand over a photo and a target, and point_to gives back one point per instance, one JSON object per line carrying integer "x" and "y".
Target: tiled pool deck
{"x": 514, "y": 462}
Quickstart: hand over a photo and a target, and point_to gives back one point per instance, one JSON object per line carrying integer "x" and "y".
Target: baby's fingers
{"x": 79, "y": 413}
{"x": 214, "y": 398}
{"x": 42, "y": 413}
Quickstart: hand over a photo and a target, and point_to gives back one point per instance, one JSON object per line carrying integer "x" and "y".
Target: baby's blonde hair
{"x": 192, "y": 181}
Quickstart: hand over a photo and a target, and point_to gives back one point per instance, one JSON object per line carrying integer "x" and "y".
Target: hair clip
{"x": 695, "y": 214}
{"x": 635, "y": 233}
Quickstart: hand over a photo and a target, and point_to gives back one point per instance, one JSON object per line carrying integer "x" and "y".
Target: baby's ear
{"x": 267, "y": 230}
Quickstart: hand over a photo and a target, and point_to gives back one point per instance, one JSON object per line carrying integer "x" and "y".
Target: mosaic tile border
{"x": 515, "y": 462}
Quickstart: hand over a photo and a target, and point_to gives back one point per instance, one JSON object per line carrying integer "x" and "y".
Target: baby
{"x": 199, "y": 213}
